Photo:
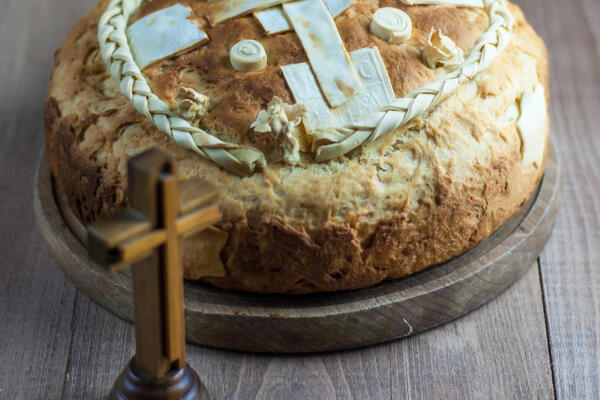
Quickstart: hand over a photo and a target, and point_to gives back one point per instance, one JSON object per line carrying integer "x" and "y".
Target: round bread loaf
{"x": 419, "y": 194}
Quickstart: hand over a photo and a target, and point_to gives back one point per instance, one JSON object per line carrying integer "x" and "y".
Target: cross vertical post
{"x": 173, "y": 290}
{"x": 146, "y": 235}
{"x": 153, "y": 192}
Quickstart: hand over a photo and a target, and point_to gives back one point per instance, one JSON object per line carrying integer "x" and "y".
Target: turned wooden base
{"x": 320, "y": 322}
{"x": 136, "y": 384}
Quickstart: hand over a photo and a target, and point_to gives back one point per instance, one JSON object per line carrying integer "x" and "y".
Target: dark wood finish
{"x": 175, "y": 333}
{"x": 56, "y": 343}
{"x": 150, "y": 267}
{"x": 394, "y": 309}
{"x": 135, "y": 383}
{"x": 500, "y": 350}
{"x": 158, "y": 369}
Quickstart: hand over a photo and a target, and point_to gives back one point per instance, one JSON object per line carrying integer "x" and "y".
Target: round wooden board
{"x": 332, "y": 321}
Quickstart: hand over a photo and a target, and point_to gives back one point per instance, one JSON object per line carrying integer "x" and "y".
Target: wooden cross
{"x": 146, "y": 235}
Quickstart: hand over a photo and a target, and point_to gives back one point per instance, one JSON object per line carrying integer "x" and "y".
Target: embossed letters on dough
{"x": 377, "y": 91}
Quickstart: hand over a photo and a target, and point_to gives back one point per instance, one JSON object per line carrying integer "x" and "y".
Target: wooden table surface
{"x": 540, "y": 339}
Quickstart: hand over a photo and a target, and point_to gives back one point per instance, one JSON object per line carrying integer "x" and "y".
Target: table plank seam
{"x": 547, "y": 327}
{"x": 72, "y": 334}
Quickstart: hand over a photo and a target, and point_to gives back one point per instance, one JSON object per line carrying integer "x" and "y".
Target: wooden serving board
{"x": 321, "y": 322}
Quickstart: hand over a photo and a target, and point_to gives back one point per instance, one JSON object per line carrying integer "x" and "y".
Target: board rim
{"x": 293, "y": 322}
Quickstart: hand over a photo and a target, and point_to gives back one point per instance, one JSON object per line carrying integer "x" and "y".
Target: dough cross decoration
{"x": 313, "y": 22}
{"x": 146, "y": 235}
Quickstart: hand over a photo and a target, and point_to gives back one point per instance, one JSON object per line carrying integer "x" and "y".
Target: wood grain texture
{"x": 446, "y": 365}
{"x": 570, "y": 264}
{"x": 60, "y": 342}
{"x": 474, "y": 358}
{"x": 322, "y": 322}
{"x": 36, "y": 303}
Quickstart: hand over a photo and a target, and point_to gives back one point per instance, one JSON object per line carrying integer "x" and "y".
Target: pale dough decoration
{"x": 533, "y": 125}
{"x": 164, "y": 33}
{"x": 441, "y": 51}
{"x": 463, "y": 3}
{"x": 227, "y": 9}
{"x": 325, "y": 50}
{"x": 248, "y": 56}
{"x": 281, "y": 119}
{"x": 191, "y": 105}
{"x": 274, "y": 20}
{"x": 392, "y": 25}
{"x": 336, "y": 7}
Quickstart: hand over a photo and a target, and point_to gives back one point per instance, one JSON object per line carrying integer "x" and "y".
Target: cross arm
{"x": 139, "y": 247}
{"x": 106, "y": 235}
{"x": 130, "y": 236}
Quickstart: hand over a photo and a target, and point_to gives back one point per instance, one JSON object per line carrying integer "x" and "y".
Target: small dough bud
{"x": 441, "y": 51}
{"x": 191, "y": 105}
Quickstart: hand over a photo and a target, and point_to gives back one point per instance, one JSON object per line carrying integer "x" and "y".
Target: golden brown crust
{"x": 414, "y": 198}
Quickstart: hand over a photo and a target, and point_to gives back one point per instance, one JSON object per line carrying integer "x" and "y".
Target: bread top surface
{"x": 404, "y": 172}
{"x": 237, "y": 97}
